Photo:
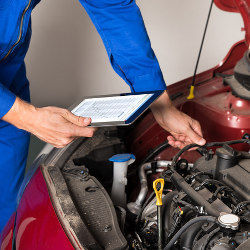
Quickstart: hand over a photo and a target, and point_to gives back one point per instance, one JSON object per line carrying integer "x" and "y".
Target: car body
{"x": 41, "y": 220}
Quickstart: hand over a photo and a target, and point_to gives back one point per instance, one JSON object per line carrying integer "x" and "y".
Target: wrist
{"x": 163, "y": 103}
{"x": 21, "y": 114}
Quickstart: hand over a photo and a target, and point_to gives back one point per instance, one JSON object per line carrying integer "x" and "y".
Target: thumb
{"x": 194, "y": 137}
{"x": 77, "y": 120}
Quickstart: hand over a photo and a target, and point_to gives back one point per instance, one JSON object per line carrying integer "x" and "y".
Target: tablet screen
{"x": 111, "y": 109}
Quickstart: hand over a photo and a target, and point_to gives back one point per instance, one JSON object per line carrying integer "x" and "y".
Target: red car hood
{"x": 228, "y": 5}
{"x": 241, "y": 6}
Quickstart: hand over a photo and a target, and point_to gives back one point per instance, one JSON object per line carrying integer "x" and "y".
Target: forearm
{"x": 163, "y": 101}
{"x": 121, "y": 27}
{"x": 21, "y": 115}
{"x": 54, "y": 125}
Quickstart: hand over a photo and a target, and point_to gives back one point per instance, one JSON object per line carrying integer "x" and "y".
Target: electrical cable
{"x": 208, "y": 181}
{"x": 186, "y": 227}
{"x": 240, "y": 206}
{"x": 220, "y": 189}
{"x": 211, "y": 144}
{"x": 190, "y": 178}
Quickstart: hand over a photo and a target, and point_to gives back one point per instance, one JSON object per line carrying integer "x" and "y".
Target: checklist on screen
{"x": 111, "y": 109}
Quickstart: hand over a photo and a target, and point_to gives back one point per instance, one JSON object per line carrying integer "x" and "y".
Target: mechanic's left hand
{"x": 184, "y": 129}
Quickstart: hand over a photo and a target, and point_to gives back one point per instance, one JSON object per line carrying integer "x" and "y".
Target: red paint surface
{"x": 37, "y": 226}
{"x": 222, "y": 116}
{"x": 7, "y": 234}
{"x": 244, "y": 9}
{"x": 241, "y": 6}
{"x": 227, "y": 5}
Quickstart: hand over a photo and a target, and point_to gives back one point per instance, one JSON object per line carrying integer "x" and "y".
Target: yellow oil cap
{"x": 158, "y": 191}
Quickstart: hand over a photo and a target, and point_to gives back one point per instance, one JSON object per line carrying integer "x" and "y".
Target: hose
{"x": 209, "y": 237}
{"x": 144, "y": 183}
{"x": 156, "y": 151}
{"x": 187, "y": 240}
{"x": 211, "y": 144}
{"x": 187, "y": 226}
{"x": 167, "y": 200}
{"x": 135, "y": 207}
{"x": 144, "y": 206}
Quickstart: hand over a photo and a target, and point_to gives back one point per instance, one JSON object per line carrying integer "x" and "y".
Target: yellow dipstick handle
{"x": 158, "y": 192}
{"x": 191, "y": 93}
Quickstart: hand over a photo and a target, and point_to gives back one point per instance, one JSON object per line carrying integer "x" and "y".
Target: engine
{"x": 157, "y": 204}
{"x": 205, "y": 205}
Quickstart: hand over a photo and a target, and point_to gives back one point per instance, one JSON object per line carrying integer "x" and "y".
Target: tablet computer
{"x": 115, "y": 110}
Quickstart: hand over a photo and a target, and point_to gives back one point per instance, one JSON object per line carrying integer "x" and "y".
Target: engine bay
{"x": 205, "y": 204}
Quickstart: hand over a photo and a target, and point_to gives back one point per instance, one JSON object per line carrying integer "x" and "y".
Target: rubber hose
{"x": 187, "y": 226}
{"x": 166, "y": 201}
{"x": 188, "y": 237}
{"x": 156, "y": 151}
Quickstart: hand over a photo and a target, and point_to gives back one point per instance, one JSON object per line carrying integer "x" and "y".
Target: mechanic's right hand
{"x": 53, "y": 125}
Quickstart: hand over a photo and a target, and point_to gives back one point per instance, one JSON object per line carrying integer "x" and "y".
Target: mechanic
{"x": 122, "y": 30}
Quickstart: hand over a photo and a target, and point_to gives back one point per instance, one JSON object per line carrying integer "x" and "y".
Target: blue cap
{"x": 121, "y": 157}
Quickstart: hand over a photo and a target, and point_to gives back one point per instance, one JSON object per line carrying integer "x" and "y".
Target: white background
{"x": 67, "y": 59}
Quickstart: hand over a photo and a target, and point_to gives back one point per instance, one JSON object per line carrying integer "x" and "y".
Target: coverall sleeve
{"x": 121, "y": 27}
{"x": 7, "y": 99}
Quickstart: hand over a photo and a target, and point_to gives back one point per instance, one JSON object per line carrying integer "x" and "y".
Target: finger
{"x": 187, "y": 141}
{"x": 78, "y": 131}
{"x": 178, "y": 144}
{"x": 61, "y": 145}
{"x": 170, "y": 138}
{"x": 57, "y": 142}
{"x": 77, "y": 120}
{"x": 194, "y": 137}
{"x": 181, "y": 144}
{"x": 174, "y": 137}
{"x": 171, "y": 143}
{"x": 197, "y": 128}
{"x": 183, "y": 139}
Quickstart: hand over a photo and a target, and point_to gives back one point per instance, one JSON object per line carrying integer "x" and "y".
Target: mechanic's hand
{"x": 54, "y": 125}
{"x": 184, "y": 129}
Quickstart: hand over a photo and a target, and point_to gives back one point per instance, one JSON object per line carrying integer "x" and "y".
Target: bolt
{"x": 107, "y": 228}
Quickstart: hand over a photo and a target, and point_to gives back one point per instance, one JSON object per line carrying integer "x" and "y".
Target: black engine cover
{"x": 236, "y": 177}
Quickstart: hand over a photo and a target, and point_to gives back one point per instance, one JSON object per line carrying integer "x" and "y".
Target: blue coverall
{"x": 122, "y": 30}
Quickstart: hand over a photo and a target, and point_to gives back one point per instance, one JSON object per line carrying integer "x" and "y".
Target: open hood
{"x": 241, "y": 6}
{"x": 227, "y": 5}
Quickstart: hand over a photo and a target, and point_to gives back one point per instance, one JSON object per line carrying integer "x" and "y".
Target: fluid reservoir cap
{"x": 122, "y": 157}
{"x": 229, "y": 220}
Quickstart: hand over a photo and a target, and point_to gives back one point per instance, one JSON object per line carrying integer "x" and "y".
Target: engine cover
{"x": 237, "y": 176}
